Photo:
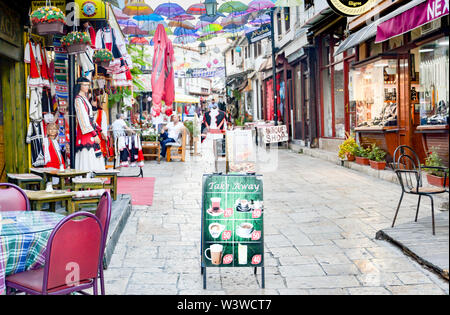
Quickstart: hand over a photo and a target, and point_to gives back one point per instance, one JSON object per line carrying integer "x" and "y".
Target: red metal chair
{"x": 13, "y": 198}
{"x": 103, "y": 213}
{"x": 73, "y": 257}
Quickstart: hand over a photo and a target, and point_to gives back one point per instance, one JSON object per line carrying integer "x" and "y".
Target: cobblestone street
{"x": 320, "y": 225}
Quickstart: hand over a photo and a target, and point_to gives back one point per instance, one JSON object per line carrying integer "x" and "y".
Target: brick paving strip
{"x": 320, "y": 226}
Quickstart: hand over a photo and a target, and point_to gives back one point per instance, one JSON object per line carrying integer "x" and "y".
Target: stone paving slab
{"x": 416, "y": 240}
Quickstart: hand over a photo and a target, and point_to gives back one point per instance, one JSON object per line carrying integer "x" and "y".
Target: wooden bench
{"x": 179, "y": 148}
{"x": 26, "y": 180}
{"x": 86, "y": 197}
{"x": 112, "y": 176}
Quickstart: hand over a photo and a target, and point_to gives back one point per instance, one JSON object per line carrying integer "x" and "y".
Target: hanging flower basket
{"x": 76, "y": 42}
{"x": 103, "y": 57}
{"x": 48, "y": 20}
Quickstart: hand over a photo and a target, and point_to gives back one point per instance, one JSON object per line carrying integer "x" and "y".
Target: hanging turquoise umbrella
{"x": 149, "y": 17}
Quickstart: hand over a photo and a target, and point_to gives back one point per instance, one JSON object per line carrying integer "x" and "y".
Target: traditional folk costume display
{"x": 213, "y": 128}
{"x": 52, "y": 153}
{"x": 102, "y": 123}
{"x": 130, "y": 151}
{"x": 88, "y": 155}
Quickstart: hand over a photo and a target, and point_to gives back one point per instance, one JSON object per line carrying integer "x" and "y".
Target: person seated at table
{"x": 170, "y": 133}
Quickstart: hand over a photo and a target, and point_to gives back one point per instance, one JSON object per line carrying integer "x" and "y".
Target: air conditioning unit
{"x": 430, "y": 27}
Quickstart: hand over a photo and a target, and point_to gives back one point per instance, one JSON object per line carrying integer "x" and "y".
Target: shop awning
{"x": 407, "y": 20}
{"x": 371, "y": 30}
{"x": 182, "y": 98}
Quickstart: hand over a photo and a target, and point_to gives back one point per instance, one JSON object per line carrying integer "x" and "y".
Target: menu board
{"x": 241, "y": 153}
{"x": 232, "y": 221}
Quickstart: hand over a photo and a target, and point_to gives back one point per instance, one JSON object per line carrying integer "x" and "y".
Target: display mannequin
{"x": 52, "y": 149}
{"x": 88, "y": 156}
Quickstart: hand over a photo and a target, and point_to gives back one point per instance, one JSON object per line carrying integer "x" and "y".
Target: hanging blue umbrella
{"x": 169, "y": 10}
{"x": 181, "y": 31}
{"x": 211, "y": 19}
{"x": 149, "y": 17}
{"x": 183, "y": 40}
{"x": 125, "y": 23}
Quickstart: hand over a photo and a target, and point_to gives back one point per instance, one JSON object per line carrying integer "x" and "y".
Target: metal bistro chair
{"x": 103, "y": 213}
{"x": 406, "y": 165}
{"x": 72, "y": 259}
{"x": 13, "y": 198}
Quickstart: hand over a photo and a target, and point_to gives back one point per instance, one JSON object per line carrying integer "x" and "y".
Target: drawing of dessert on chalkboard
{"x": 243, "y": 205}
{"x": 215, "y": 209}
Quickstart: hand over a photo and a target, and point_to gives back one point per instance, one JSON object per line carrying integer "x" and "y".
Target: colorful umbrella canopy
{"x": 201, "y": 24}
{"x": 139, "y": 41}
{"x": 257, "y": 5}
{"x": 288, "y": 3}
{"x": 137, "y": 7}
{"x": 185, "y": 24}
{"x": 151, "y": 25}
{"x": 263, "y": 19}
{"x": 211, "y": 28}
{"x": 196, "y": 9}
{"x": 232, "y": 6}
{"x": 133, "y": 30}
{"x": 120, "y": 15}
{"x": 211, "y": 19}
{"x": 169, "y": 10}
{"x": 149, "y": 17}
{"x": 183, "y": 40}
{"x": 182, "y": 17}
{"x": 179, "y": 31}
{"x": 129, "y": 22}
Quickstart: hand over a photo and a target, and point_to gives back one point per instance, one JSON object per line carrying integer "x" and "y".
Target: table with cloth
{"x": 23, "y": 240}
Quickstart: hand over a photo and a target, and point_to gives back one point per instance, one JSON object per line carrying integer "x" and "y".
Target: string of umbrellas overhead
{"x": 198, "y": 22}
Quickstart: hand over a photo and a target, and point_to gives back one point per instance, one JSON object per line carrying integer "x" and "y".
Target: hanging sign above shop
{"x": 201, "y": 73}
{"x": 60, "y": 4}
{"x": 9, "y": 25}
{"x": 350, "y": 7}
{"x": 259, "y": 34}
{"x": 92, "y": 9}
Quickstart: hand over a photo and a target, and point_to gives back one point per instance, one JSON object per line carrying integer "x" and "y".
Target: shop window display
{"x": 432, "y": 89}
{"x": 375, "y": 93}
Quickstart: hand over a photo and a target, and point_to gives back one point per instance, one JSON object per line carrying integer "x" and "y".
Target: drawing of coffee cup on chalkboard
{"x": 245, "y": 230}
{"x": 215, "y": 229}
{"x": 242, "y": 205}
{"x": 216, "y": 251}
{"x": 215, "y": 209}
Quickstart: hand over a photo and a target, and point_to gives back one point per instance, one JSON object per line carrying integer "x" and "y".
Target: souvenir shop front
{"x": 401, "y": 83}
{"x": 61, "y": 125}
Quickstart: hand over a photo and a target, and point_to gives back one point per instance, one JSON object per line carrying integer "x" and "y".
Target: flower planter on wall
{"x": 362, "y": 160}
{"x": 436, "y": 180}
{"x": 50, "y": 28}
{"x": 350, "y": 157}
{"x": 76, "y": 48}
{"x": 378, "y": 165}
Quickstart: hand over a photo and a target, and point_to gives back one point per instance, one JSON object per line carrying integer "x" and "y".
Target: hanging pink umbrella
{"x": 257, "y": 5}
{"x": 182, "y": 17}
{"x": 169, "y": 84}
{"x": 159, "y": 68}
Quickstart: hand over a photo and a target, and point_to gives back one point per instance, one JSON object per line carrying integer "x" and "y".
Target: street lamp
{"x": 211, "y": 7}
{"x": 202, "y": 48}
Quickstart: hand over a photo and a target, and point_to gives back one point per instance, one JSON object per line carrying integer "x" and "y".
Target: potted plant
{"x": 362, "y": 156}
{"x": 348, "y": 149}
{"x": 76, "y": 42}
{"x": 103, "y": 57}
{"x": 437, "y": 174}
{"x": 48, "y": 20}
{"x": 376, "y": 157}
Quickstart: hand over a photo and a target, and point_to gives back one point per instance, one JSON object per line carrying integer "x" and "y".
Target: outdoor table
{"x": 112, "y": 176}
{"x": 48, "y": 172}
{"x": 152, "y": 145}
{"x": 23, "y": 180}
{"x": 38, "y": 198}
{"x": 23, "y": 240}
